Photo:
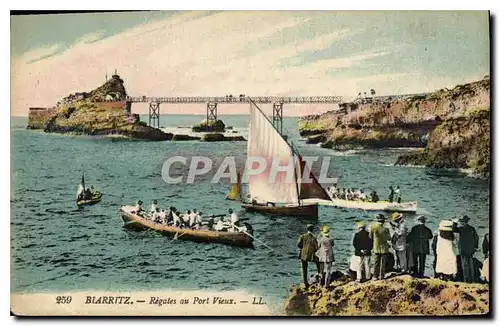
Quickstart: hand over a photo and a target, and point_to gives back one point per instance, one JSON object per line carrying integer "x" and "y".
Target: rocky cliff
{"x": 452, "y": 124}
{"x": 401, "y": 295}
{"x": 94, "y": 113}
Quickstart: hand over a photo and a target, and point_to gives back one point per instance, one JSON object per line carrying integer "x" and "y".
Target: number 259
{"x": 63, "y": 299}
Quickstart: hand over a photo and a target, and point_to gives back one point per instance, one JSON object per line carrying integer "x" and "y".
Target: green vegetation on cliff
{"x": 401, "y": 295}
{"x": 462, "y": 142}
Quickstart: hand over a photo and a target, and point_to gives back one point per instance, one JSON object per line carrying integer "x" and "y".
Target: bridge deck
{"x": 238, "y": 100}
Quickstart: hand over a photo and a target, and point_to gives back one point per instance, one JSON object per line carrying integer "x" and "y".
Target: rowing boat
{"x": 94, "y": 200}
{"x": 136, "y": 222}
{"x": 410, "y": 207}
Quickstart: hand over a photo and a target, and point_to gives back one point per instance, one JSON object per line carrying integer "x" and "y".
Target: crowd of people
{"x": 360, "y": 194}
{"x": 396, "y": 248}
{"x": 192, "y": 219}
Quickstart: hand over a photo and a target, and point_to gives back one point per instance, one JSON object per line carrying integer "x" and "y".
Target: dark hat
{"x": 155, "y": 201}
{"x": 309, "y": 227}
{"x": 465, "y": 219}
{"x": 230, "y": 210}
{"x": 380, "y": 217}
{"x": 421, "y": 218}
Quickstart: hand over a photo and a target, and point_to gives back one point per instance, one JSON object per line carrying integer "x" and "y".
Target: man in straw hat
{"x": 381, "y": 237}
{"x": 308, "y": 246}
{"x": 363, "y": 246}
{"x": 325, "y": 255}
{"x": 418, "y": 240}
{"x": 468, "y": 243}
{"x": 399, "y": 241}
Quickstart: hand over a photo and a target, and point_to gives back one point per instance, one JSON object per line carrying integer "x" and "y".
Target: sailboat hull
{"x": 305, "y": 210}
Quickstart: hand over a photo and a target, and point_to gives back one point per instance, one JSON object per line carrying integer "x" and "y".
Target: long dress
{"x": 446, "y": 262}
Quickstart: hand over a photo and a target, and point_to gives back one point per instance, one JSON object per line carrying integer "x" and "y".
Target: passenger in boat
{"x": 192, "y": 218}
{"x": 175, "y": 217}
{"x": 397, "y": 195}
{"x": 418, "y": 241}
{"x": 363, "y": 246}
{"x": 153, "y": 206}
{"x": 156, "y": 216}
{"x": 220, "y": 226}
{"x": 235, "y": 220}
{"x": 325, "y": 255}
{"x": 332, "y": 191}
{"x": 468, "y": 244}
{"x": 391, "y": 194}
{"x": 374, "y": 196}
{"x": 185, "y": 218}
{"x": 399, "y": 241}
{"x": 308, "y": 246}
{"x": 138, "y": 208}
{"x": 363, "y": 196}
{"x": 210, "y": 222}
{"x": 381, "y": 237}
{"x": 446, "y": 259}
{"x": 199, "y": 220}
{"x": 87, "y": 195}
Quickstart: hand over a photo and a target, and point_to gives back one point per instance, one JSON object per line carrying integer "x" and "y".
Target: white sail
{"x": 264, "y": 141}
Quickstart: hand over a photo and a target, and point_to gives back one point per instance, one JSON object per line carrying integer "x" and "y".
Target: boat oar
{"x": 251, "y": 236}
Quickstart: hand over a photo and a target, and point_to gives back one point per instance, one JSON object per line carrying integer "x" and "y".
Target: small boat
{"x": 137, "y": 222}
{"x": 279, "y": 197}
{"x": 409, "y": 207}
{"x": 94, "y": 200}
{"x": 96, "y": 196}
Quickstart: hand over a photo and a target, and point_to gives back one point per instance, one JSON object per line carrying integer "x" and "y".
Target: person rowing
{"x": 153, "y": 207}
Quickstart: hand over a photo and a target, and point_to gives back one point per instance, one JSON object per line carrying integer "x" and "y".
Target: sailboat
{"x": 94, "y": 198}
{"x": 280, "y": 197}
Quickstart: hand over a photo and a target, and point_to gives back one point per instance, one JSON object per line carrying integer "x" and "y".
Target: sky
{"x": 258, "y": 53}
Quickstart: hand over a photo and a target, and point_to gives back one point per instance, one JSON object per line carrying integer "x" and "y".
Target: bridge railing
{"x": 242, "y": 99}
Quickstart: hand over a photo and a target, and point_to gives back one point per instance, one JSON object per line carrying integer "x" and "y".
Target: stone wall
{"x": 38, "y": 117}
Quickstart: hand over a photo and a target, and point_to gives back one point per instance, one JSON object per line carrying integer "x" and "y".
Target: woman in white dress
{"x": 446, "y": 259}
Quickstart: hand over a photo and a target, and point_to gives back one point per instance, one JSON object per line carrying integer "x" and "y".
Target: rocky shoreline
{"x": 451, "y": 127}
{"x": 396, "y": 295}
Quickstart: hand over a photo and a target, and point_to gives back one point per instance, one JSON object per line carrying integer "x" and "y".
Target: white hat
{"x": 445, "y": 225}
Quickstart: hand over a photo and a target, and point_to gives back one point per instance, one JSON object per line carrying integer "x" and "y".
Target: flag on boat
{"x": 81, "y": 187}
{"x": 235, "y": 191}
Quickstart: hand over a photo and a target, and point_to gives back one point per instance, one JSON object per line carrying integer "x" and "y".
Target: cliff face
{"x": 453, "y": 125}
{"x": 92, "y": 114}
{"x": 401, "y": 295}
{"x": 462, "y": 142}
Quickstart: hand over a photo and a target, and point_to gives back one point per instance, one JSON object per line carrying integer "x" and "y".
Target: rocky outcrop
{"x": 212, "y": 126}
{"x": 452, "y": 124}
{"x": 92, "y": 114}
{"x": 400, "y": 295}
{"x": 462, "y": 142}
{"x": 220, "y": 137}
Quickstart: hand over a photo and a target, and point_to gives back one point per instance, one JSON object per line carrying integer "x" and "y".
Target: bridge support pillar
{"x": 278, "y": 116}
{"x": 211, "y": 115}
{"x": 154, "y": 114}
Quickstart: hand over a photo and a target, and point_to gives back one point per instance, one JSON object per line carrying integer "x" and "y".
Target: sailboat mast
{"x": 295, "y": 173}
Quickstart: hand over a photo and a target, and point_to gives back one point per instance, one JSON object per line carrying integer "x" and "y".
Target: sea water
{"x": 57, "y": 247}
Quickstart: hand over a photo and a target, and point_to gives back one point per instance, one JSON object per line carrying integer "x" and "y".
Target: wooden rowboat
{"x": 137, "y": 222}
{"x": 94, "y": 200}
{"x": 305, "y": 210}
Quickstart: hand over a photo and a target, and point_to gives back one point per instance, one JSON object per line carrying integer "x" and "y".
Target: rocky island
{"x": 100, "y": 112}
{"x": 450, "y": 126}
{"x": 399, "y": 295}
{"x": 105, "y": 111}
